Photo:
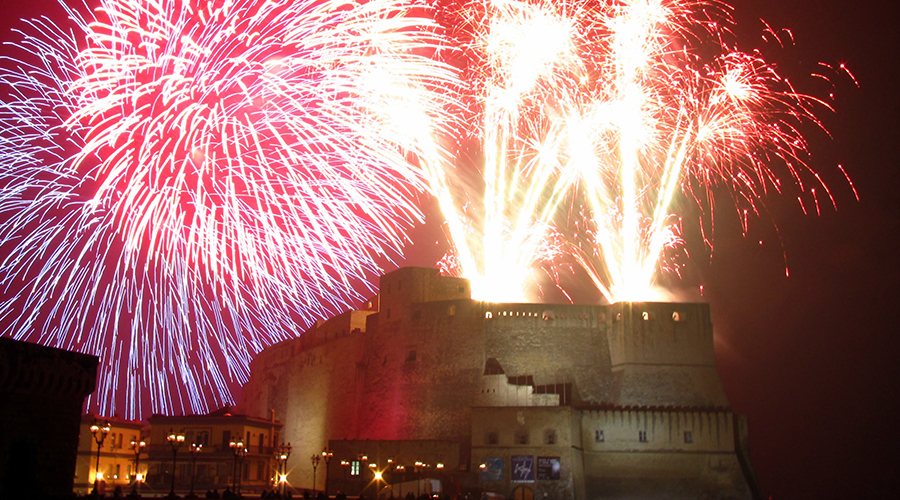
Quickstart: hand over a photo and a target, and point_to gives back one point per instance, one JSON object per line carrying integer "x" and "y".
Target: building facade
{"x": 42, "y": 390}
{"x": 217, "y": 465}
{"x": 118, "y": 461}
{"x": 562, "y": 401}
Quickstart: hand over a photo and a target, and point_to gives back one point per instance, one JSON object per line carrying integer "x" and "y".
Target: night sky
{"x": 811, "y": 359}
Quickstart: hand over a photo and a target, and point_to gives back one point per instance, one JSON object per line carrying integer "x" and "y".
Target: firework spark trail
{"x": 619, "y": 106}
{"x": 184, "y": 183}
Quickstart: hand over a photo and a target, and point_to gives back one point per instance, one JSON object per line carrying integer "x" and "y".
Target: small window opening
{"x": 645, "y": 316}
{"x": 522, "y": 437}
{"x": 676, "y": 316}
{"x": 451, "y": 311}
{"x": 547, "y": 316}
{"x": 642, "y": 436}
{"x": 688, "y": 437}
{"x": 618, "y": 317}
{"x": 411, "y": 355}
{"x": 488, "y": 315}
{"x": 461, "y": 289}
{"x": 550, "y": 436}
{"x": 491, "y": 437}
{"x": 599, "y": 437}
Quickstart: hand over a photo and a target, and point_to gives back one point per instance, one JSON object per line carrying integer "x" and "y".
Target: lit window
{"x": 354, "y": 468}
{"x": 645, "y": 316}
{"x": 676, "y": 316}
{"x": 488, "y": 315}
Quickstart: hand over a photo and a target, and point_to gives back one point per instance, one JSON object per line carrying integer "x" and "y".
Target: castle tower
{"x": 576, "y": 402}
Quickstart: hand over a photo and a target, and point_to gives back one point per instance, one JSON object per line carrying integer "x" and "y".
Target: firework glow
{"x": 594, "y": 118}
{"x": 187, "y": 182}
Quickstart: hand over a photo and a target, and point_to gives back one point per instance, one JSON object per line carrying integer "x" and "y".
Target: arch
{"x": 522, "y": 493}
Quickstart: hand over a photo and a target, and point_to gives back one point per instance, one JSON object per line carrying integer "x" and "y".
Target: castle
{"x": 426, "y": 387}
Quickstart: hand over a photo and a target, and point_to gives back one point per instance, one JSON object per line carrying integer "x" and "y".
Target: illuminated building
{"x": 571, "y": 401}
{"x": 117, "y": 457}
{"x": 217, "y": 461}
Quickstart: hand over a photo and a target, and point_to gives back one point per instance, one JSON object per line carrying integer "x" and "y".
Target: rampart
{"x": 415, "y": 365}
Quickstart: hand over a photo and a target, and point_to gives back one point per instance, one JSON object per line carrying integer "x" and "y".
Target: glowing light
{"x": 283, "y": 478}
{"x": 594, "y": 116}
{"x": 184, "y": 185}
{"x": 99, "y": 476}
{"x": 377, "y": 475}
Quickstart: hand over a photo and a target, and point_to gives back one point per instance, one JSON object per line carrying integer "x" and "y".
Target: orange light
{"x": 378, "y": 476}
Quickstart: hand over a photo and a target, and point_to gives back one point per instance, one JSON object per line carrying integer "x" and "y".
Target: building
{"x": 118, "y": 458}
{"x": 42, "y": 390}
{"x": 562, "y": 401}
{"x": 217, "y": 464}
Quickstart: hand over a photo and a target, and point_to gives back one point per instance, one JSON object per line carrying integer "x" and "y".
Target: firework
{"x": 595, "y": 117}
{"x": 187, "y": 182}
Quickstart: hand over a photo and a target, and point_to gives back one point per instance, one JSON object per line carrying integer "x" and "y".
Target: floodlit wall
{"x": 414, "y": 366}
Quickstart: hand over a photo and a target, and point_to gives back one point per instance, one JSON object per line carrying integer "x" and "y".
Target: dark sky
{"x": 812, "y": 359}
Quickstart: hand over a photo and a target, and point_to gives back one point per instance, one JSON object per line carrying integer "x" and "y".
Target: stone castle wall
{"x": 415, "y": 365}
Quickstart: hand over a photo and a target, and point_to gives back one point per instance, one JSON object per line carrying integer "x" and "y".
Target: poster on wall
{"x": 522, "y": 468}
{"x": 492, "y": 469}
{"x": 548, "y": 468}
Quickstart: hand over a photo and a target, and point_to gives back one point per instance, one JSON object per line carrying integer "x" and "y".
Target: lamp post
{"x": 375, "y": 478}
{"x": 344, "y": 465}
{"x": 175, "y": 441}
{"x": 327, "y": 454}
{"x": 195, "y": 452}
{"x": 402, "y": 469}
{"x": 419, "y": 465}
{"x": 237, "y": 448}
{"x": 138, "y": 447}
{"x": 99, "y": 432}
{"x": 315, "y": 463}
{"x": 282, "y": 454}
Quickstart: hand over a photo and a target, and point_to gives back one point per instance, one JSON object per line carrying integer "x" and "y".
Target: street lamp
{"x": 315, "y": 463}
{"x": 195, "y": 452}
{"x": 344, "y": 465}
{"x": 402, "y": 470}
{"x": 282, "y": 454}
{"x": 327, "y": 454}
{"x": 138, "y": 447}
{"x": 237, "y": 448}
{"x": 175, "y": 441}
{"x": 99, "y": 432}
